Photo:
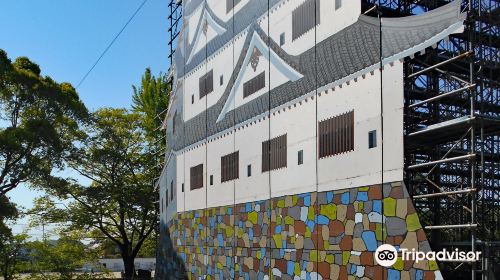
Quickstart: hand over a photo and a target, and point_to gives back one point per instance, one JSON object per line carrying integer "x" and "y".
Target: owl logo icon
{"x": 386, "y": 255}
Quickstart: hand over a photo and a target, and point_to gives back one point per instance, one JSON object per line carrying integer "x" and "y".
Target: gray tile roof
{"x": 355, "y": 48}
{"x": 238, "y": 23}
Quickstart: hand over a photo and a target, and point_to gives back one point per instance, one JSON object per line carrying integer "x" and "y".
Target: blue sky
{"x": 66, "y": 37}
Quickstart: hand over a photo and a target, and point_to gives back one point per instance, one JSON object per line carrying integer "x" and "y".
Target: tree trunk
{"x": 128, "y": 262}
{"x": 5, "y": 270}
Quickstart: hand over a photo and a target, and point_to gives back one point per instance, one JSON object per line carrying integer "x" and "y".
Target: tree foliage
{"x": 39, "y": 120}
{"x": 8, "y": 212}
{"x": 151, "y": 98}
{"x": 63, "y": 257}
{"x": 120, "y": 202}
{"x": 8, "y": 243}
{"x": 10, "y": 253}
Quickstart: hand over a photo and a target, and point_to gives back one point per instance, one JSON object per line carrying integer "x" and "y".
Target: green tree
{"x": 8, "y": 212}
{"x": 58, "y": 259}
{"x": 150, "y": 99}
{"x": 9, "y": 248}
{"x": 120, "y": 202}
{"x": 10, "y": 254}
{"x": 39, "y": 120}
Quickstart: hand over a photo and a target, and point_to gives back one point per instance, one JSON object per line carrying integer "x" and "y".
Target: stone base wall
{"x": 325, "y": 235}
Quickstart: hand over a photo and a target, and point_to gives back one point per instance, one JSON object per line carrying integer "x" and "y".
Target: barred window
{"x": 274, "y": 153}
{"x": 196, "y": 173}
{"x": 255, "y": 84}
{"x": 336, "y": 135}
{"x": 230, "y": 167}
{"x": 230, "y": 4}
{"x": 303, "y": 18}
{"x": 206, "y": 84}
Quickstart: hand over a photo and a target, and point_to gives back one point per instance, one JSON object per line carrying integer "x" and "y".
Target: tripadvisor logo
{"x": 386, "y": 255}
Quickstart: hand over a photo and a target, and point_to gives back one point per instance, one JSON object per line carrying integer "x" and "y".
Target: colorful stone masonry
{"x": 325, "y": 235}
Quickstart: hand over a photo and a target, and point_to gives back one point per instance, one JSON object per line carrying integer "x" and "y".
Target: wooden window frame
{"x": 230, "y": 167}
{"x": 206, "y": 84}
{"x": 255, "y": 84}
{"x": 336, "y": 135}
{"x": 196, "y": 176}
{"x": 303, "y": 19}
{"x": 274, "y": 153}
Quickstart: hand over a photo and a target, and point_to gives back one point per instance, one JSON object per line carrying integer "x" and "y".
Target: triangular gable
{"x": 257, "y": 44}
{"x": 206, "y": 30}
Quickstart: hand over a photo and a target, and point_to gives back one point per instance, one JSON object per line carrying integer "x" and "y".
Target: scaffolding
{"x": 159, "y": 147}
{"x": 175, "y": 23}
{"x": 452, "y": 134}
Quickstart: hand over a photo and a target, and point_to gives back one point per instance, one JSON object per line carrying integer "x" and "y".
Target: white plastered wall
{"x": 352, "y": 169}
{"x": 363, "y": 166}
{"x": 195, "y": 199}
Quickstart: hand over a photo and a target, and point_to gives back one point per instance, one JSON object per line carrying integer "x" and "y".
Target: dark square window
{"x": 282, "y": 39}
{"x": 211, "y": 180}
{"x": 206, "y": 84}
{"x": 338, "y": 4}
{"x": 182, "y": 187}
{"x": 229, "y": 167}
{"x": 300, "y": 157}
{"x": 274, "y": 153}
{"x": 249, "y": 170}
{"x": 196, "y": 173}
{"x": 372, "y": 139}
{"x": 192, "y": 99}
{"x": 221, "y": 80}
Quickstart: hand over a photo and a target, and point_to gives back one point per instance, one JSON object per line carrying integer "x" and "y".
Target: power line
{"x": 112, "y": 42}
